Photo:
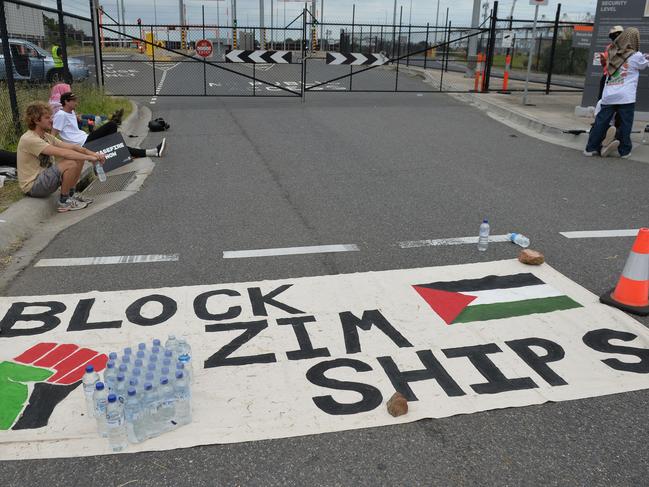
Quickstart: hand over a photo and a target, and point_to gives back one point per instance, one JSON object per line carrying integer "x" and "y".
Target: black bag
{"x": 158, "y": 125}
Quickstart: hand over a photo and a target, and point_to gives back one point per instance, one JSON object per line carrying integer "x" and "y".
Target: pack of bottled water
{"x": 145, "y": 392}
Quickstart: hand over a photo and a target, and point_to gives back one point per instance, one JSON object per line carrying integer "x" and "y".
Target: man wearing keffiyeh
{"x": 624, "y": 63}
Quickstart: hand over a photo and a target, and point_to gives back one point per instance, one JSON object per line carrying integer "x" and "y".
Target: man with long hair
{"x": 46, "y": 163}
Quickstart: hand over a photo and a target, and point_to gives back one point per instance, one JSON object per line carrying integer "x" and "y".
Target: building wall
{"x": 24, "y": 22}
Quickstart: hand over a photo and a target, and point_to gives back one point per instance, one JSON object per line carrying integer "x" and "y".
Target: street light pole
{"x": 473, "y": 40}
{"x": 529, "y": 57}
{"x": 262, "y": 31}
{"x": 394, "y": 28}
{"x": 436, "y": 21}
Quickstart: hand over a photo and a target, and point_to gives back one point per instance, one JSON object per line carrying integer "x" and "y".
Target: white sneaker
{"x": 610, "y": 148}
{"x": 626, "y": 156}
{"x": 610, "y": 136}
{"x": 590, "y": 153}
{"x": 162, "y": 146}
{"x": 71, "y": 204}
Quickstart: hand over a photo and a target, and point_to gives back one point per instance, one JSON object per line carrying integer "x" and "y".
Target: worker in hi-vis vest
{"x": 56, "y": 55}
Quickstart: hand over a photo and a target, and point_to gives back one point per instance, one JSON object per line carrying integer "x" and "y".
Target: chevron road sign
{"x": 258, "y": 56}
{"x": 356, "y": 59}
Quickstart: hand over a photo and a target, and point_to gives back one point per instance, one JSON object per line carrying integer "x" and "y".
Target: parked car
{"x": 34, "y": 63}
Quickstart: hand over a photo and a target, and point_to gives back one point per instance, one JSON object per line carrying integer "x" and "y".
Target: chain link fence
{"x": 40, "y": 47}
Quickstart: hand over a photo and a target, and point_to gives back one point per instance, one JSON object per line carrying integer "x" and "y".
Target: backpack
{"x": 158, "y": 125}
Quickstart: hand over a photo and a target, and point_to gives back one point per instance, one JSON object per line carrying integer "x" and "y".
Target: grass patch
{"x": 91, "y": 101}
{"x": 9, "y": 193}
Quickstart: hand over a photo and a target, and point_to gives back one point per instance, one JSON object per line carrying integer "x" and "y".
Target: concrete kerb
{"x": 29, "y": 224}
{"x": 526, "y": 123}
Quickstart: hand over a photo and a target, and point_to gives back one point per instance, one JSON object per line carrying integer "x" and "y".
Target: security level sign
{"x": 204, "y": 48}
{"x": 540, "y": 3}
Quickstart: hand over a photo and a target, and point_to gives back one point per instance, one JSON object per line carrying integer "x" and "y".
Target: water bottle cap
{"x": 156, "y": 342}
{"x": 133, "y": 382}
{"x": 164, "y": 371}
{"x": 164, "y": 381}
{"x": 99, "y": 386}
{"x": 140, "y": 354}
{"x": 112, "y": 397}
{"x": 180, "y": 365}
{"x": 128, "y": 351}
{"x": 149, "y": 376}
{"x": 112, "y": 355}
{"x": 151, "y": 367}
{"x": 138, "y": 362}
{"x": 136, "y": 371}
{"x": 121, "y": 377}
{"x": 179, "y": 374}
{"x": 148, "y": 386}
{"x": 126, "y": 359}
{"x": 155, "y": 349}
{"x": 166, "y": 362}
{"x": 110, "y": 364}
{"x": 123, "y": 367}
{"x": 173, "y": 337}
{"x": 485, "y": 221}
{"x": 168, "y": 353}
{"x": 131, "y": 391}
{"x": 90, "y": 369}
{"x": 141, "y": 346}
{"x": 153, "y": 358}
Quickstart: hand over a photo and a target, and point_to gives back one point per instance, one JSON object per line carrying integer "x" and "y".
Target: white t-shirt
{"x": 68, "y": 127}
{"x": 621, "y": 88}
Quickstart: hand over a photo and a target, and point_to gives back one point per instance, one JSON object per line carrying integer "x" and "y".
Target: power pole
{"x": 262, "y": 31}
{"x": 394, "y": 28}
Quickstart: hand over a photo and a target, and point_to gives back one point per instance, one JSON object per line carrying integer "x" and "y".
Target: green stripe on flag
{"x": 496, "y": 311}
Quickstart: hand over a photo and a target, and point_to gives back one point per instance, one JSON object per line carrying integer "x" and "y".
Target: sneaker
{"x": 83, "y": 199}
{"x": 117, "y": 116}
{"x": 610, "y": 136}
{"x": 590, "y": 153}
{"x": 626, "y": 156}
{"x": 610, "y": 148}
{"x": 71, "y": 204}
{"x": 161, "y": 147}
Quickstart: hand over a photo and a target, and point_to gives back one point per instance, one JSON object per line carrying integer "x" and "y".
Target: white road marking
{"x": 118, "y": 259}
{"x": 315, "y": 249}
{"x": 450, "y": 241}
{"x": 3, "y": 221}
{"x": 601, "y": 233}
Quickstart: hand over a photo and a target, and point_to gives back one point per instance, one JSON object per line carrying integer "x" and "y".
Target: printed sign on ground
{"x": 319, "y": 354}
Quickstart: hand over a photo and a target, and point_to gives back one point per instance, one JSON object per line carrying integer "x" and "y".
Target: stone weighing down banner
{"x": 313, "y": 355}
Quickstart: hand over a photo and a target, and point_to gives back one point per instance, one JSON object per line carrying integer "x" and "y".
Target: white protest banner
{"x": 312, "y": 355}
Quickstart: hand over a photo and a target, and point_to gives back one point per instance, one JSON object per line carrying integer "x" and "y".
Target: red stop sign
{"x": 204, "y": 48}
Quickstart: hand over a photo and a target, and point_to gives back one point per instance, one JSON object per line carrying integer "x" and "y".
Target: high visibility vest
{"x": 58, "y": 60}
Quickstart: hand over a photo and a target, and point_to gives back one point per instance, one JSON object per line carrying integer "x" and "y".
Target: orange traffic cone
{"x": 632, "y": 291}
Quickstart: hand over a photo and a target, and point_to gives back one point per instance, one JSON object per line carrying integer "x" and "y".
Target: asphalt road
{"x": 372, "y": 170}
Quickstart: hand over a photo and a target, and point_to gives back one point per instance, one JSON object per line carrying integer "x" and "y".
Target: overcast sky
{"x": 371, "y": 11}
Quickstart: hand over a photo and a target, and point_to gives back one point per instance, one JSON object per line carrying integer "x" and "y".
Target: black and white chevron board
{"x": 259, "y": 56}
{"x": 356, "y": 59}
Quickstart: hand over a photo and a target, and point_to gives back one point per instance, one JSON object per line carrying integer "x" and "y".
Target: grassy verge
{"x": 91, "y": 101}
{"x": 9, "y": 193}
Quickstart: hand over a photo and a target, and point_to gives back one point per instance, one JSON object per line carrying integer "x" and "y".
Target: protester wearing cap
{"x": 624, "y": 63}
{"x": 603, "y": 57}
{"x": 66, "y": 127}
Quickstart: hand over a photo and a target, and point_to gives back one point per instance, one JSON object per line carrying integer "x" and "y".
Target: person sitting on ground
{"x": 65, "y": 127}
{"x": 46, "y": 163}
{"x": 8, "y": 158}
{"x": 625, "y": 61}
{"x": 89, "y": 121}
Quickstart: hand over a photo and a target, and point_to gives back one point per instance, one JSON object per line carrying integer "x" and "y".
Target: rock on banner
{"x": 312, "y": 355}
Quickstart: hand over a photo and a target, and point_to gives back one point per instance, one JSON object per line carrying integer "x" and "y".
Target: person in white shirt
{"x": 66, "y": 127}
{"x": 624, "y": 65}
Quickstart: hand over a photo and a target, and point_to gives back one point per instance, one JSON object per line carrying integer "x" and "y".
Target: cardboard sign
{"x": 311, "y": 355}
{"x": 114, "y": 147}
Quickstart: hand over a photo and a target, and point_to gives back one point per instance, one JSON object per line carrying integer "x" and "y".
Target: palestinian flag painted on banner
{"x": 493, "y": 298}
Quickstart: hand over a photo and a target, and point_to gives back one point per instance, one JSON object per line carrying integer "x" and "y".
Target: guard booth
{"x": 345, "y": 43}
{"x": 627, "y": 14}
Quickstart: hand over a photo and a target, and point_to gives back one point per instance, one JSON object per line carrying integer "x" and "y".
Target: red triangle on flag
{"x": 448, "y": 305}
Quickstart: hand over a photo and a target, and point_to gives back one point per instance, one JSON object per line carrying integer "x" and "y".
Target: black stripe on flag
{"x": 486, "y": 283}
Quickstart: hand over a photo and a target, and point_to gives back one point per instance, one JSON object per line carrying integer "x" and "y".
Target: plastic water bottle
{"x": 112, "y": 356}
{"x": 141, "y": 354}
{"x": 153, "y": 371}
{"x": 126, "y": 360}
{"x": 156, "y": 342}
{"x": 171, "y": 344}
{"x": 185, "y": 357}
{"x": 519, "y": 239}
{"x": 166, "y": 407}
{"x": 115, "y": 424}
{"x": 120, "y": 386}
{"x": 128, "y": 351}
{"x": 182, "y": 407}
{"x": 133, "y": 382}
{"x": 100, "y": 400}
{"x": 90, "y": 378}
{"x": 100, "y": 172}
{"x": 133, "y": 416}
{"x": 141, "y": 347}
{"x": 110, "y": 375}
{"x": 483, "y": 238}
{"x": 123, "y": 368}
{"x": 150, "y": 409}
{"x": 138, "y": 364}
{"x": 169, "y": 355}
